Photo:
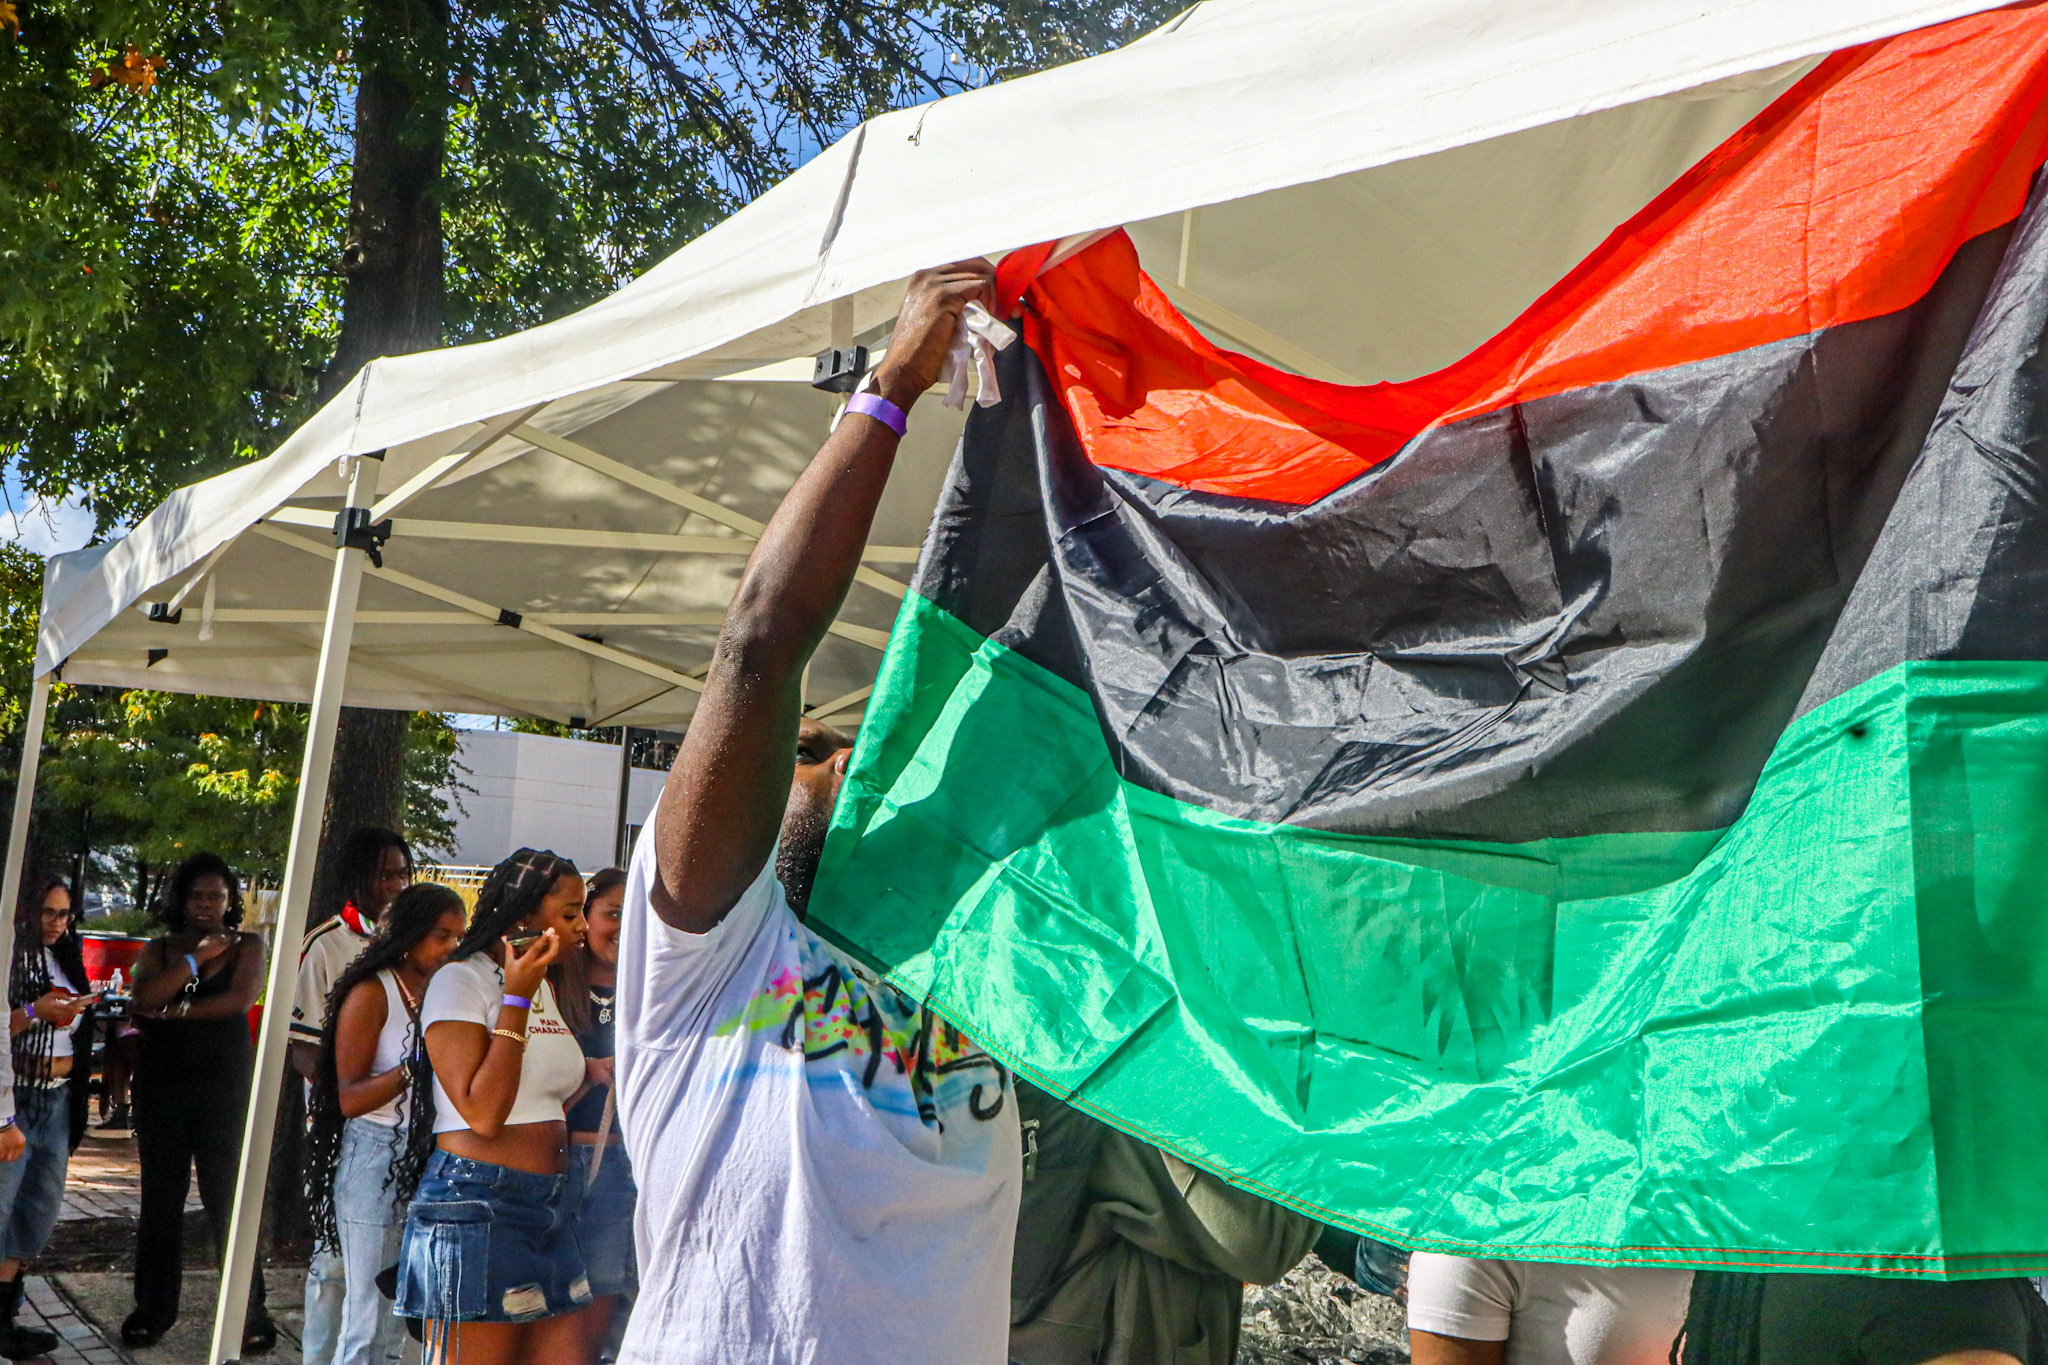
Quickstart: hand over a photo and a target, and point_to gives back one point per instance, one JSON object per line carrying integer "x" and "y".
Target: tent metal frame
{"x": 337, "y": 622}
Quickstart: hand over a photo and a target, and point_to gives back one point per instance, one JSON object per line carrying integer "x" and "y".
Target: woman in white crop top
{"x": 369, "y": 1144}
{"x": 489, "y": 1260}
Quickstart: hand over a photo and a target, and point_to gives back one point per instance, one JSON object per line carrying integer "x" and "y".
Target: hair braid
{"x": 28, "y": 978}
{"x": 514, "y": 890}
{"x": 362, "y": 864}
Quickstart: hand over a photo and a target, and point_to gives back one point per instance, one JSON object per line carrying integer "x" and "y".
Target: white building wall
{"x": 542, "y": 792}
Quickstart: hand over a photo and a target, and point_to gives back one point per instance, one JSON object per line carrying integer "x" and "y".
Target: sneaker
{"x": 121, "y": 1118}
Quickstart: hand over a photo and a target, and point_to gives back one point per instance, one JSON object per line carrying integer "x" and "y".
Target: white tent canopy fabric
{"x": 1357, "y": 191}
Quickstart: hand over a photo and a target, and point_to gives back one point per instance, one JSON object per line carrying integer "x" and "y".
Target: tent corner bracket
{"x": 353, "y": 530}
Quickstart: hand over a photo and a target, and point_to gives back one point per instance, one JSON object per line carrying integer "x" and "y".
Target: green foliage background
{"x": 174, "y": 191}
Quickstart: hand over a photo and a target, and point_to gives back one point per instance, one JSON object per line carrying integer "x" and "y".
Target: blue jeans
{"x": 486, "y": 1243}
{"x": 32, "y": 1189}
{"x": 326, "y": 1288}
{"x": 371, "y": 1222}
{"x": 604, "y": 1219}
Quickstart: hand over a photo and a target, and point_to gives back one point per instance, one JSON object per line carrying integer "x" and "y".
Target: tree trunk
{"x": 367, "y": 788}
{"x": 391, "y": 304}
{"x": 392, "y": 260}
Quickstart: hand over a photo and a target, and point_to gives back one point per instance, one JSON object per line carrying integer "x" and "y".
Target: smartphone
{"x": 518, "y": 939}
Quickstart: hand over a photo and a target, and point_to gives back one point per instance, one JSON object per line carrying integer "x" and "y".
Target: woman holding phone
{"x": 51, "y": 1027}
{"x": 490, "y": 1261}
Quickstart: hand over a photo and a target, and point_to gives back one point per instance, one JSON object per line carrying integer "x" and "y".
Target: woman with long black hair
{"x": 489, "y": 1260}
{"x": 194, "y": 987}
{"x": 375, "y": 864}
{"x": 51, "y": 1024}
{"x": 372, "y": 1113}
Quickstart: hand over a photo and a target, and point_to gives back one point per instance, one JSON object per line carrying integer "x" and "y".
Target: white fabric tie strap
{"x": 975, "y": 343}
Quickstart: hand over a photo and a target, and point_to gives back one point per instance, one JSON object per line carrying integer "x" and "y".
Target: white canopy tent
{"x": 1358, "y": 191}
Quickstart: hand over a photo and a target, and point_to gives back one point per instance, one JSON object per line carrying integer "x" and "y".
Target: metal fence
{"x": 465, "y": 881}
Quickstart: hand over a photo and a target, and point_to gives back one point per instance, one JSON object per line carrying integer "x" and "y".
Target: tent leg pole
{"x": 24, "y": 800}
{"x": 620, "y": 852}
{"x": 231, "y": 1312}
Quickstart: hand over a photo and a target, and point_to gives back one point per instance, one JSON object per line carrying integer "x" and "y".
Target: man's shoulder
{"x": 324, "y": 933}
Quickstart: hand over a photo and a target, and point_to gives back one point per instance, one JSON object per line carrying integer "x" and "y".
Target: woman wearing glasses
{"x": 52, "y": 1013}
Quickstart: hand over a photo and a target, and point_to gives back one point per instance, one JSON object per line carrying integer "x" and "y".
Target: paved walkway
{"x": 85, "y": 1309}
{"x": 105, "y": 1181}
{"x": 78, "y": 1343}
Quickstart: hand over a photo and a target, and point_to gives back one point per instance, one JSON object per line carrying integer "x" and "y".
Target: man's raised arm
{"x": 723, "y": 803}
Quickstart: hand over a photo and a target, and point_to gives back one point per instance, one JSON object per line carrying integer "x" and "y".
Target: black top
{"x": 201, "y": 1049}
{"x": 1868, "y": 1320}
{"x": 587, "y": 1113}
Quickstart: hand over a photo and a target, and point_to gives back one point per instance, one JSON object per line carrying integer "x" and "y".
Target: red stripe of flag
{"x": 1844, "y": 200}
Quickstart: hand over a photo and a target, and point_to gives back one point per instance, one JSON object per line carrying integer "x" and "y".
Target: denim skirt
{"x": 485, "y": 1243}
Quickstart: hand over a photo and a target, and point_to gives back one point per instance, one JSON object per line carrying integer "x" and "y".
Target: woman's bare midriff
{"x": 612, "y": 1139}
{"x": 537, "y": 1148}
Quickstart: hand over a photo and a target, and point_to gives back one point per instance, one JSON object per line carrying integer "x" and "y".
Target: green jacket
{"x": 1129, "y": 1256}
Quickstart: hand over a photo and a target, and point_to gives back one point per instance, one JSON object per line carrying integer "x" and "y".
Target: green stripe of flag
{"x": 1716, "y": 1048}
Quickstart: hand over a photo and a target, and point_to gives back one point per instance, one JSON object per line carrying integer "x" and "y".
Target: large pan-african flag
{"x": 1589, "y": 803}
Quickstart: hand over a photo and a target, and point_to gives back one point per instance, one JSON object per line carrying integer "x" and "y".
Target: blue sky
{"x": 45, "y": 528}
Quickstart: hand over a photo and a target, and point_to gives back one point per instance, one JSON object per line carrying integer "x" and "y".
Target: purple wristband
{"x": 517, "y": 1002}
{"x": 29, "y": 1009}
{"x": 881, "y": 409}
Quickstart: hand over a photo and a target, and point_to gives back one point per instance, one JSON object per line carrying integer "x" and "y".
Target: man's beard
{"x": 796, "y": 859}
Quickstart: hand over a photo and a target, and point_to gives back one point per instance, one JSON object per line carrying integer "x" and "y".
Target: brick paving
{"x": 45, "y": 1306}
{"x": 105, "y": 1181}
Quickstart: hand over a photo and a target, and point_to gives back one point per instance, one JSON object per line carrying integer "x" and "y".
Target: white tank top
{"x": 391, "y": 1041}
{"x": 60, "y": 1045}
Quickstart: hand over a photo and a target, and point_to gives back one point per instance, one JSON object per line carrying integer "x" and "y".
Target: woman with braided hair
{"x": 50, "y": 1023}
{"x": 490, "y": 1261}
{"x": 372, "y": 1117}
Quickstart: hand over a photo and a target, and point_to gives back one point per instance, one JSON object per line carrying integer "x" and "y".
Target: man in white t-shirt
{"x": 1464, "y": 1311}
{"x": 828, "y": 1173}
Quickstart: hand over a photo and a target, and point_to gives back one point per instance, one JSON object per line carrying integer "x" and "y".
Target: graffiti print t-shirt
{"x": 828, "y": 1174}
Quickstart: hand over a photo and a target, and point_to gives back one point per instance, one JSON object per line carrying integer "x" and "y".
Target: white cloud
{"x": 46, "y": 528}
